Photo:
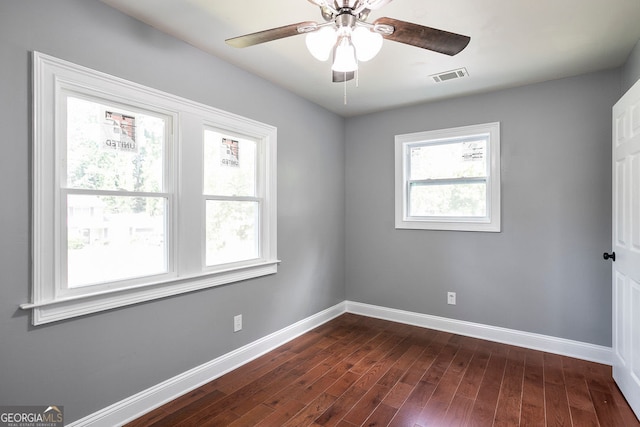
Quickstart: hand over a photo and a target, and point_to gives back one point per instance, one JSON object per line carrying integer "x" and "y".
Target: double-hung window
{"x": 116, "y": 193}
{"x": 449, "y": 179}
{"x": 139, "y": 194}
{"x": 231, "y": 198}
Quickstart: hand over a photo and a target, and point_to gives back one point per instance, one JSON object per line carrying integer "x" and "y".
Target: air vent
{"x": 450, "y": 75}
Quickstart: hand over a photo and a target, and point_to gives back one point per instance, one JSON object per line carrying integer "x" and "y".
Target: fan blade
{"x": 341, "y": 76}
{"x": 425, "y": 37}
{"x": 268, "y": 35}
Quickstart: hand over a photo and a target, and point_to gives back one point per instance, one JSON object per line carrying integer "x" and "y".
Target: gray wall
{"x": 91, "y": 362}
{"x": 544, "y": 272}
{"x": 631, "y": 69}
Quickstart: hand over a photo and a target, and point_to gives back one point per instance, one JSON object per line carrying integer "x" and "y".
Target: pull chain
{"x": 345, "y": 88}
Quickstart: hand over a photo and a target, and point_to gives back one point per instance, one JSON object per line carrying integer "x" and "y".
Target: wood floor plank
{"x": 380, "y": 417}
{"x": 284, "y": 393}
{"x": 375, "y": 374}
{"x": 606, "y": 408}
{"x": 470, "y": 382}
{"x": 440, "y": 364}
{"x": 361, "y": 410}
{"x": 409, "y": 412}
{"x": 459, "y": 412}
{"x": 258, "y": 367}
{"x": 281, "y": 414}
{"x": 398, "y": 395}
{"x": 186, "y": 411}
{"x": 553, "y": 373}
{"x": 341, "y": 406}
{"x": 386, "y": 343}
{"x": 584, "y": 418}
{"x": 314, "y": 390}
{"x": 225, "y": 418}
{"x": 311, "y": 411}
{"x": 156, "y": 416}
{"x": 418, "y": 368}
{"x": 510, "y": 399}
{"x": 444, "y": 393}
{"x": 580, "y": 403}
{"x": 556, "y": 404}
{"x": 533, "y": 409}
{"x": 484, "y": 408}
{"x": 342, "y": 384}
{"x": 360, "y": 371}
{"x": 627, "y": 415}
{"x": 207, "y": 390}
{"x": 411, "y": 354}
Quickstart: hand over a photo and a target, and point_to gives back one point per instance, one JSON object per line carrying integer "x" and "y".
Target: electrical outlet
{"x": 237, "y": 323}
{"x": 451, "y": 298}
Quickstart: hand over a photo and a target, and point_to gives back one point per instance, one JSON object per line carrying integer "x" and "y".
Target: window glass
{"x": 113, "y": 238}
{"x": 111, "y": 148}
{"x": 449, "y": 200}
{"x": 229, "y": 165}
{"x": 448, "y": 160}
{"x": 448, "y": 179}
{"x": 232, "y": 231}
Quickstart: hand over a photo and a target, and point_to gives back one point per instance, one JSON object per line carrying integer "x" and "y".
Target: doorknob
{"x": 612, "y": 255}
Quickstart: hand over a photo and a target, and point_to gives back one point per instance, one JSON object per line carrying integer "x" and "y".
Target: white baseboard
{"x": 139, "y": 404}
{"x": 549, "y": 344}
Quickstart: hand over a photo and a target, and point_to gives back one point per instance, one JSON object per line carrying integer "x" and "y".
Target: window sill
{"x": 457, "y": 225}
{"x": 64, "y": 308}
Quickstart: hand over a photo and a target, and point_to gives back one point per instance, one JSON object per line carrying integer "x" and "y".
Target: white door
{"x": 626, "y": 246}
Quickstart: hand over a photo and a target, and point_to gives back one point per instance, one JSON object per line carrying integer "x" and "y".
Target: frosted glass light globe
{"x": 344, "y": 57}
{"x": 321, "y": 42}
{"x": 367, "y": 43}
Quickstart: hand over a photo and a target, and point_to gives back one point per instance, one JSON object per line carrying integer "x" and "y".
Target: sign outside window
{"x": 229, "y": 153}
{"x": 119, "y": 132}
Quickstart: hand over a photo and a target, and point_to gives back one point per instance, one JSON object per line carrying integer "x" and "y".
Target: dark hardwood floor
{"x": 359, "y": 371}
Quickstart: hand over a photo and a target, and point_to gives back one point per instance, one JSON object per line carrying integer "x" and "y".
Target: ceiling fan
{"x": 347, "y": 35}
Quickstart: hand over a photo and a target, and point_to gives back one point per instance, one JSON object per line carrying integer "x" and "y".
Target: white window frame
{"x": 52, "y": 78}
{"x": 403, "y": 144}
{"x": 260, "y": 197}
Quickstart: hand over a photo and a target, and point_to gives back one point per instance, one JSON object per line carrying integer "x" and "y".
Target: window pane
{"x": 232, "y": 231}
{"x": 457, "y": 200}
{"x": 109, "y": 148}
{"x": 112, "y": 238}
{"x": 229, "y": 165}
{"x": 448, "y": 160}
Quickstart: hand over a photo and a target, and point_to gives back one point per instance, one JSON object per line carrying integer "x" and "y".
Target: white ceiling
{"x": 513, "y": 42}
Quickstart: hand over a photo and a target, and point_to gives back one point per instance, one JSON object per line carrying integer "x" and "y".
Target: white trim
{"x": 147, "y": 400}
{"x": 139, "y": 404}
{"x": 119, "y": 297}
{"x": 549, "y": 344}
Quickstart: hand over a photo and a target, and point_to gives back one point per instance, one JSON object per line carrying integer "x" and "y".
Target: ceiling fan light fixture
{"x": 321, "y": 42}
{"x": 344, "y": 56}
{"x": 366, "y": 42}
{"x": 347, "y": 34}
